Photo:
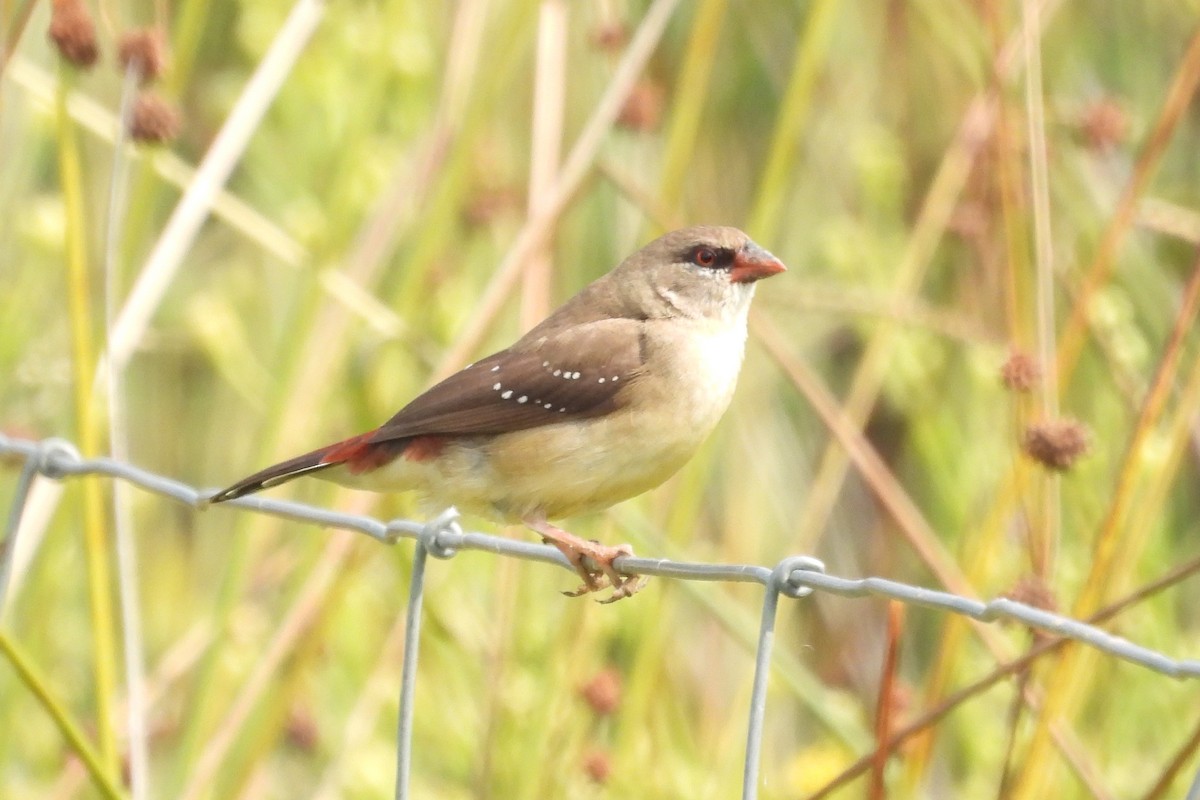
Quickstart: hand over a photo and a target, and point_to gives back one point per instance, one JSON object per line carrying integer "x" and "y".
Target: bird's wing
{"x": 569, "y": 374}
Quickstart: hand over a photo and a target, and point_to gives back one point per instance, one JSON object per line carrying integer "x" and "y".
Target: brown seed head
{"x": 1104, "y": 125}
{"x": 74, "y": 33}
{"x": 1021, "y": 372}
{"x": 1033, "y": 590}
{"x": 302, "y": 731}
{"x": 598, "y": 766}
{"x": 487, "y": 205}
{"x": 609, "y": 36}
{"x": 145, "y": 50}
{"x": 1057, "y": 443}
{"x": 154, "y": 120}
{"x": 643, "y": 107}
{"x": 603, "y": 692}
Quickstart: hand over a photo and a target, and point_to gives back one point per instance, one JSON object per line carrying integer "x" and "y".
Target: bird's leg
{"x": 577, "y": 549}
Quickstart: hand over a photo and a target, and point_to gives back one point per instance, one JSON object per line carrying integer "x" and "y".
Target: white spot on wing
{"x": 548, "y": 405}
{"x": 496, "y": 368}
{"x": 600, "y": 381}
{"x": 557, "y": 372}
{"x": 496, "y": 386}
{"x": 507, "y": 394}
{"x": 523, "y": 398}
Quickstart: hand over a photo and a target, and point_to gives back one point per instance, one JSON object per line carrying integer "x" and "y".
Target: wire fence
{"x": 794, "y": 577}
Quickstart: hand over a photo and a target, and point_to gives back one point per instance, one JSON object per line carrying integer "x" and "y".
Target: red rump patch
{"x": 423, "y": 448}
{"x": 360, "y": 455}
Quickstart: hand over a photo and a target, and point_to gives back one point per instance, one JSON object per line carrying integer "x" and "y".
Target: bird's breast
{"x": 665, "y": 414}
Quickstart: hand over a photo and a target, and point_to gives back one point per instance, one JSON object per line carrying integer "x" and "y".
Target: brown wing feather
{"x": 576, "y": 373}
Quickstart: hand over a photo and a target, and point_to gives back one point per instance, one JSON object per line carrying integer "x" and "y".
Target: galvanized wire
{"x": 442, "y": 538}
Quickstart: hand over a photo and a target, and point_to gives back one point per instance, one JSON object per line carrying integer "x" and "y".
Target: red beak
{"x": 753, "y": 263}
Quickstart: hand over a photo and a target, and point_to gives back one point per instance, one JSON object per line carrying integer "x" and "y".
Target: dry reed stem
{"x": 579, "y": 161}
{"x": 227, "y": 148}
{"x": 100, "y": 121}
{"x": 1072, "y": 672}
{"x": 885, "y": 703}
{"x": 936, "y": 210}
{"x": 868, "y": 377}
{"x": 549, "y": 96}
{"x": 1043, "y": 535}
{"x": 913, "y": 526}
{"x": 1175, "y": 766}
{"x": 324, "y": 344}
{"x": 1179, "y": 97}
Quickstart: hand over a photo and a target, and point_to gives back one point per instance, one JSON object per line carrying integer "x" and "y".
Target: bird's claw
{"x": 591, "y": 560}
{"x": 628, "y": 588}
{"x": 606, "y": 575}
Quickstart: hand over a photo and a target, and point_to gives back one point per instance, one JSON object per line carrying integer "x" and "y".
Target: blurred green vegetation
{"x": 882, "y": 150}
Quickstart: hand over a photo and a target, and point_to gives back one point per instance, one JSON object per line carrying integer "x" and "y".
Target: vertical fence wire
{"x": 408, "y": 676}
{"x": 758, "y": 695}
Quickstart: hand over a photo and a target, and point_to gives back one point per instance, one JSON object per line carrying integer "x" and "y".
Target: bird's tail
{"x": 357, "y": 451}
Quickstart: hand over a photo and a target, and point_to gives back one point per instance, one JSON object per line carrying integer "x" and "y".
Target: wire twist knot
{"x": 432, "y": 534}
{"x": 55, "y": 456}
{"x": 782, "y": 576}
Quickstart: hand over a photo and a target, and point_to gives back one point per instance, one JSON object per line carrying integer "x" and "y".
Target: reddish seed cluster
{"x": 1104, "y": 125}
{"x": 154, "y": 120}
{"x": 1056, "y": 443}
{"x": 603, "y": 692}
{"x": 1033, "y": 591}
{"x": 302, "y": 731}
{"x": 609, "y": 37}
{"x": 603, "y": 695}
{"x": 598, "y": 766}
{"x": 144, "y": 50}
{"x": 74, "y": 33}
{"x": 1020, "y": 372}
{"x": 488, "y": 205}
{"x": 643, "y": 107}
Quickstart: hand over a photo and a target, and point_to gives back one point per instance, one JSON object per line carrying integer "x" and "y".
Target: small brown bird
{"x": 604, "y": 399}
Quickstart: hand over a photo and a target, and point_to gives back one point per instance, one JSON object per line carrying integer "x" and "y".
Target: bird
{"x": 603, "y": 400}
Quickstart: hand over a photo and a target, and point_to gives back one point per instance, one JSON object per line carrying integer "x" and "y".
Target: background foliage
{"x": 883, "y": 150}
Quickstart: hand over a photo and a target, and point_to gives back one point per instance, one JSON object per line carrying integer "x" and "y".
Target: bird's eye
{"x": 704, "y": 256}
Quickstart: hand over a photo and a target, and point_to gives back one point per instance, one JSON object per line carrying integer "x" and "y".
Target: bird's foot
{"x": 578, "y": 551}
{"x": 623, "y": 585}
{"x": 631, "y": 585}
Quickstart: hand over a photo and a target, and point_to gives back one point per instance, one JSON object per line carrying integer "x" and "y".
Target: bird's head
{"x": 701, "y": 271}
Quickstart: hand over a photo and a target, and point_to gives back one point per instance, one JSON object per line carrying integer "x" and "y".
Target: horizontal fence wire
{"x": 442, "y": 537}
